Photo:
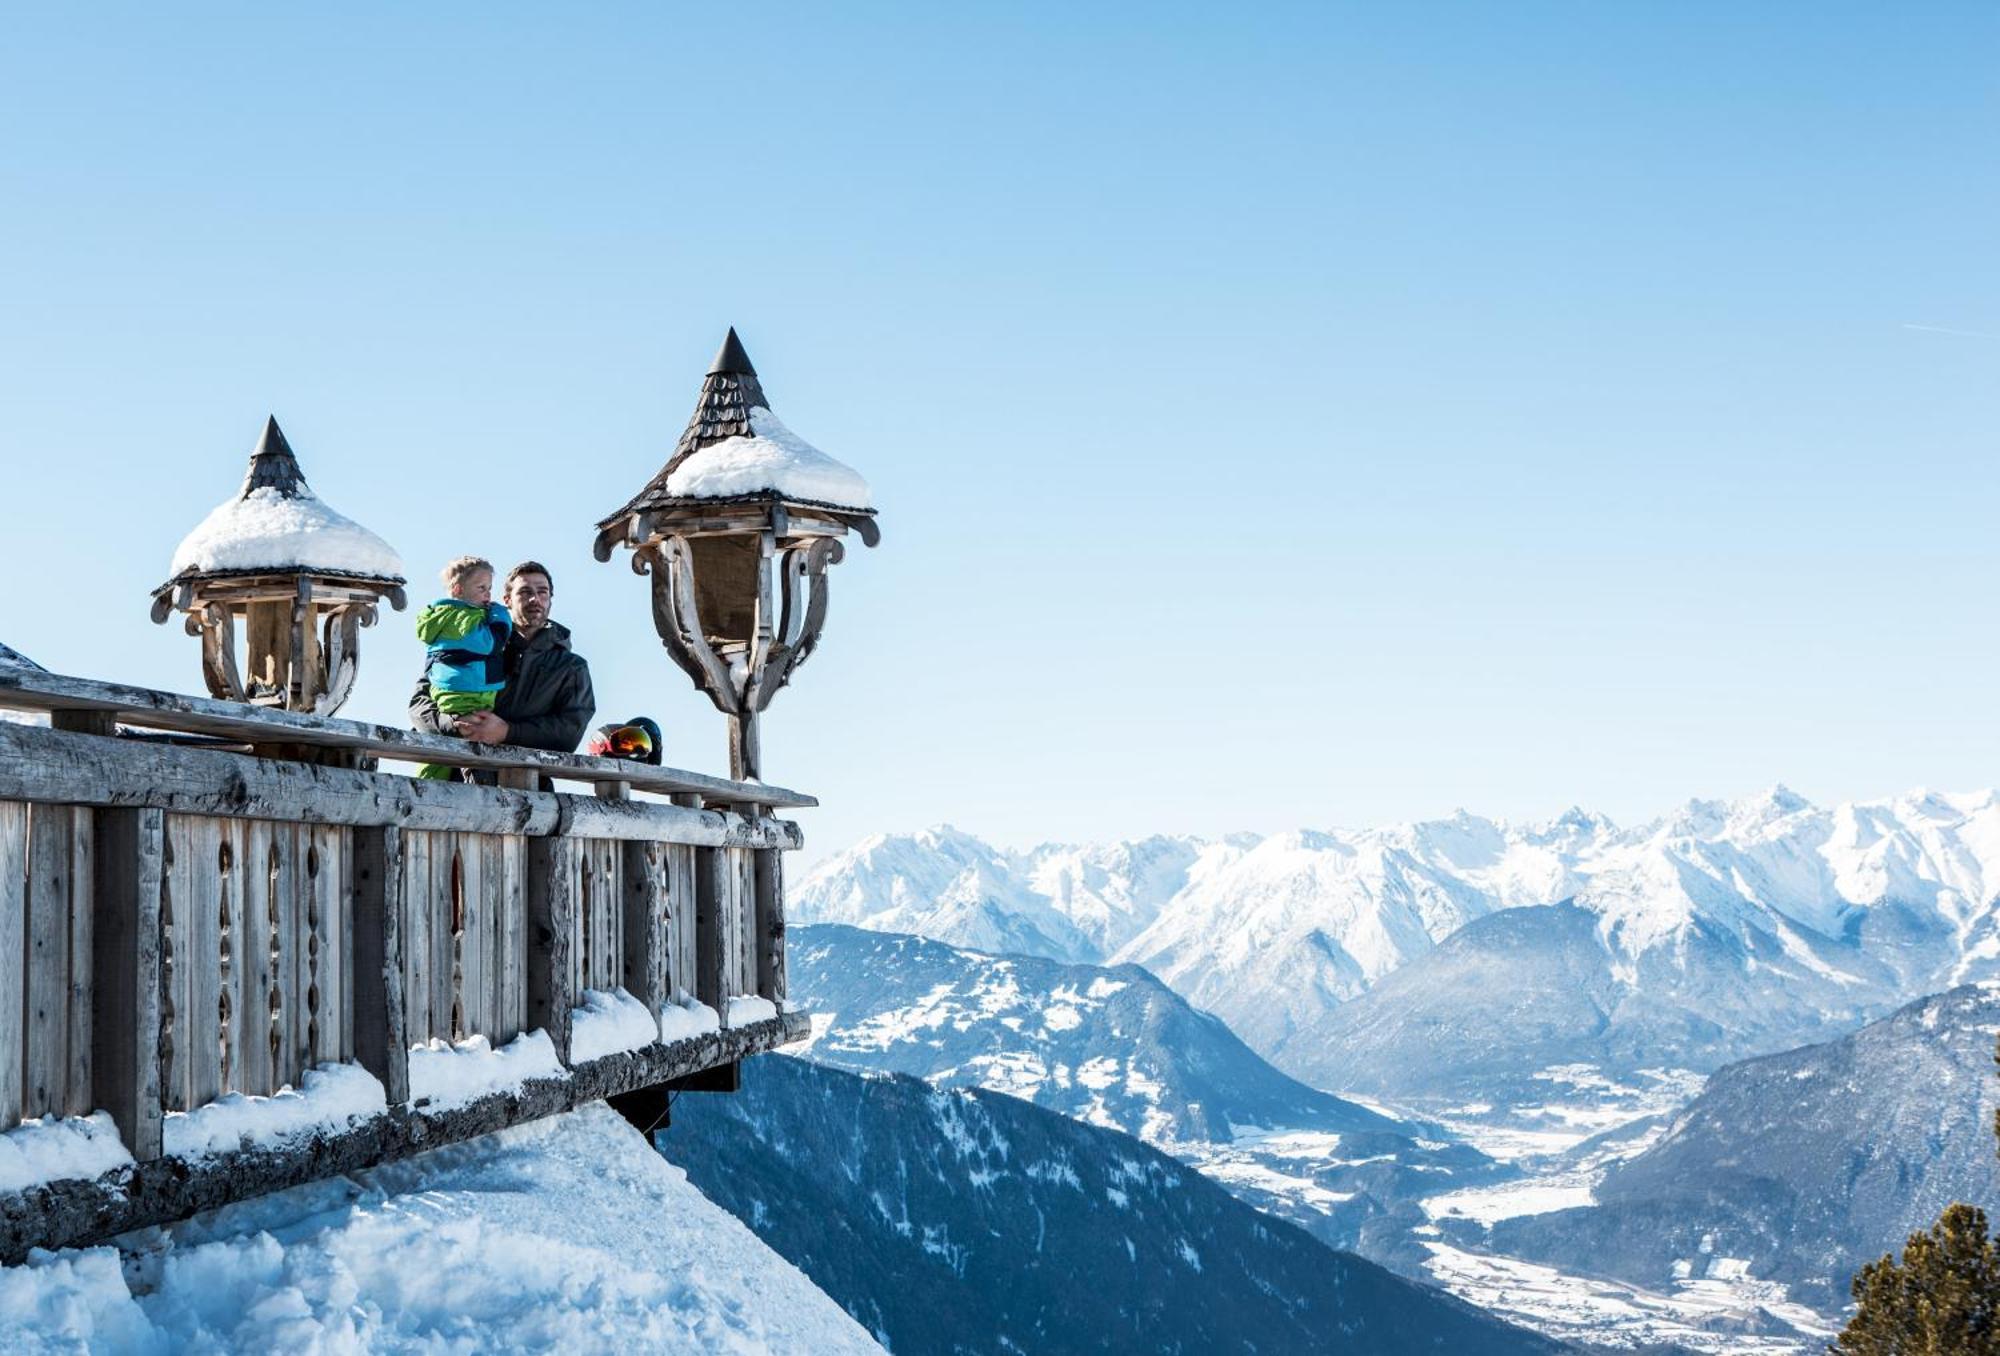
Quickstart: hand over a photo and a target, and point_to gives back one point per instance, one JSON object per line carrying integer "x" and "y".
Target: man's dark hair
{"x": 528, "y": 567}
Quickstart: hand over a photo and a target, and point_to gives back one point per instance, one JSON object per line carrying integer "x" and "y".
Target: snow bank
{"x": 748, "y": 1007}
{"x": 444, "y": 1076}
{"x": 60, "y": 1147}
{"x": 609, "y": 1023}
{"x": 330, "y": 1099}
{"x": 568, "y": 1234}
{"x": 772, "y": 458}
{"x": 267, "y": 530}
{"x": 679, "y": 1021}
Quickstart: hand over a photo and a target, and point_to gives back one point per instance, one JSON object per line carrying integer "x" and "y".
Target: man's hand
{"x": 482, "y": 727}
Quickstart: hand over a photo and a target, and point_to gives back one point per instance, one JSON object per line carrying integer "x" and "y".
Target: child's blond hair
{"x": 458, "y": 571}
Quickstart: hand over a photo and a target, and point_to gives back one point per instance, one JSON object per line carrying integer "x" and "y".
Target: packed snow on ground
{"x": 567, "y": 1234}
{"x": 444, "y": 1076}
{"x": 748, "y": 1007}
{"x": 266, "y": 530}
{"x": 773, "y": 458}
{"x": 609, "y": 1023}
{"x": 59, "y": 1148}
{"x": 680, "y": 1021}
{"x": 329, "y": 1099}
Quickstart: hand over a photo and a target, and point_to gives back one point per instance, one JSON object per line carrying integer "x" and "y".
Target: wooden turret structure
{"x": 737, "y": 531}
{"x": 300, "y": 578}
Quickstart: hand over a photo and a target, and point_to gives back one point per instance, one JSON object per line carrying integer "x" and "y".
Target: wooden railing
{"x": 179, "y": 922}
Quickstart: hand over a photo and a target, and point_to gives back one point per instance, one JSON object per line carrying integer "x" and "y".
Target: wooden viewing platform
{"x": 181, "y": 919}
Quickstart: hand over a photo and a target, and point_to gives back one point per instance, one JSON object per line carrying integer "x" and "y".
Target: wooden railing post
{"x": 125, "y": 976}
{"x": 644, "y": 952}
{"x": 551, "y": 923}
{"x": 381, "y": 1041}
{"x": 769, "y": 867}
{"x": 712, "y": 895}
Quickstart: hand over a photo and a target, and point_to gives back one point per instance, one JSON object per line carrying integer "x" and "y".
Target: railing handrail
{"x": 36, "y": 690}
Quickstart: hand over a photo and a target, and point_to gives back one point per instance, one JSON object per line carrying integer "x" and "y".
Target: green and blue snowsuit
{"x": 467, "y": 666}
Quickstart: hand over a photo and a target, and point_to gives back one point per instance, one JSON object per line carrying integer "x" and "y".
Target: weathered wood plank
{"x": 260, "y": 988}
{"x": 340, "y": 945}
{"x": 417, "y": 916}
{"x": 770, "y": 930}
{"x": 30, "y": 689}
{"x": 289, "y": 894}
{"x": 551, "y": 992}
{"x": 446, "y": 907}
{"x": 712, "y": 878}
{"x": 746, "y": 922}
{"x": 47, "y": 1035}
{"x": 78, "y": 982}
{"x": 607, "y": 916}
{"x": 681, "y": 958}
{"x": 643, "y": 928}
{"x": 475, "y": 945}
{"x": 50, "y": 765}
{"x": 207, "y": 904}
{"x": 126, "y": 970}
{"x": 512, "y": 940}
{"x": 177, "y": 904}
{"x": 13, "y": 958}
{"x": 381, "y": 1043}
{"x": 237, "y": 874}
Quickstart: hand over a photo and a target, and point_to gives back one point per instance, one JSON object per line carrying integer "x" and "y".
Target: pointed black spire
{"x": 272, "y": 465}
{"x": 731, "y": 358}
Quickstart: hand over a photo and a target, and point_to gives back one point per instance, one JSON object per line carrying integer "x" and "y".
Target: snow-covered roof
{"x": 9, "y": 655}
{"x": 275, "y": 522}
{"x": 773, "y": 460}
{"x": 735, "y": 448}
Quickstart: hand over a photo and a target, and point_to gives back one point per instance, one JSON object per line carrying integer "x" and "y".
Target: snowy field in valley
{"x": 1727, "y": 1316}
{"x": 568, "y": 1234}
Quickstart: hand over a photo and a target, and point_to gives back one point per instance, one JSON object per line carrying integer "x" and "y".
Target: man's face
{"x": 528, "y": 598}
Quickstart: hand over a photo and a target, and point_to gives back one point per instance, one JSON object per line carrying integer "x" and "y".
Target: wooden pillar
{"x": 125, "y": 1026}
{"x": 746, "y": 758}
{"x": 268, "y": 648}
{"x": 375, "y": 940}
{"x": 551, "y": 923}
{"x": 769, "y": 867}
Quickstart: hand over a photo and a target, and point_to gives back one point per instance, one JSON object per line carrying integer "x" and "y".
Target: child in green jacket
{"x": 467, "y": 633}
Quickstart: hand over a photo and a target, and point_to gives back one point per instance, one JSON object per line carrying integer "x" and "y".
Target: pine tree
{"x": 1942, "y": 1299}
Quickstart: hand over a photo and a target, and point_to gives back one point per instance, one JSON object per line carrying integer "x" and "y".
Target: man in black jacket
{"x": 548, "y": 702}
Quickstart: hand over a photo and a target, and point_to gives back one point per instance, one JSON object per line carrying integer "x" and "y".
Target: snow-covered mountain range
{"x": 1117, "y": 1048}
{"x": 1742, "y": 926}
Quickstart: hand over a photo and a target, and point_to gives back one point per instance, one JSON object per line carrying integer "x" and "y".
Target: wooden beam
{"x": 376, "y": 949}
{"x": 552, "y": 873}
{"x": 125, "y": 1029}
{"x": 33, "y": 690}
{"x": 58, "y": 767}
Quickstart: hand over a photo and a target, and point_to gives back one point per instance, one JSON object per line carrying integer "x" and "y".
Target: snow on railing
{"x": 189, "y": 931}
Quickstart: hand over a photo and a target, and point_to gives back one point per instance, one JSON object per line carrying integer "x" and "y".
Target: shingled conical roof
{"x": 729, "y": 392}
{"x": 272, "y": 465}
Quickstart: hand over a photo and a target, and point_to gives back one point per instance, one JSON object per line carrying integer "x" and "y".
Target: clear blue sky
{"x": 1281, "y": 416}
